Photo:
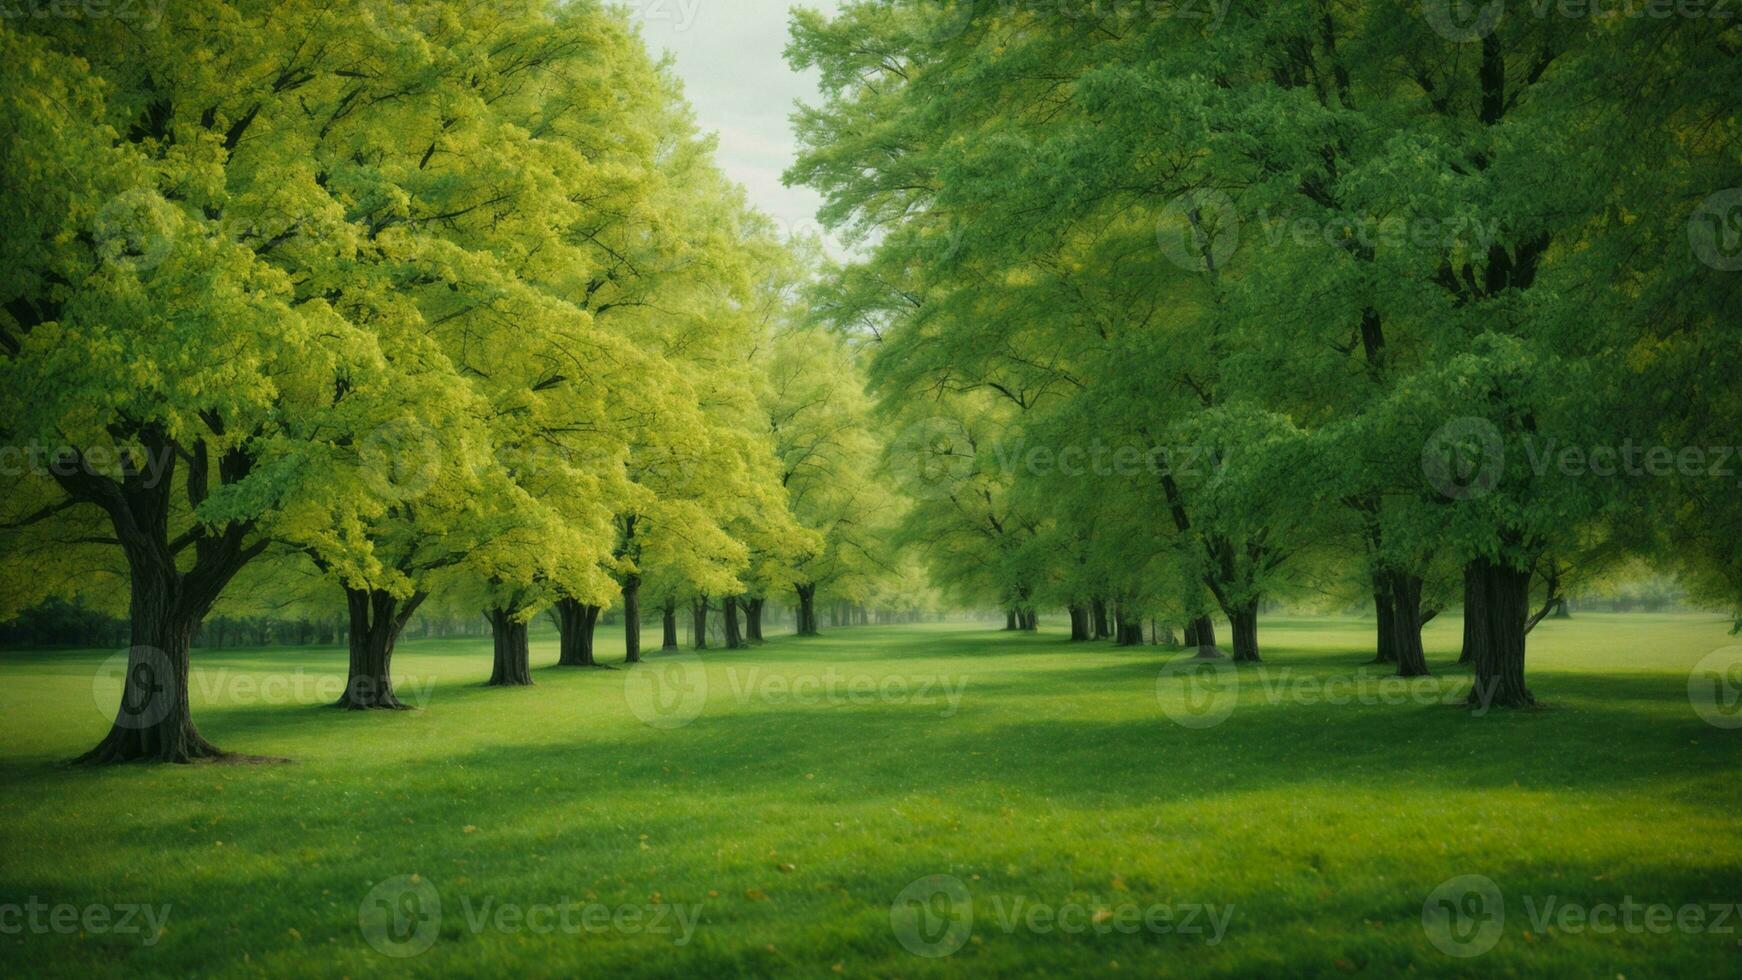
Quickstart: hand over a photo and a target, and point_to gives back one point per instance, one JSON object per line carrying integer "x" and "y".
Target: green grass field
{"x": 1057, "y": 816}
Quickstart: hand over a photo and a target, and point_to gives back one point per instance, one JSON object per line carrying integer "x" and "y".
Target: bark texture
{"x": 631, "y": 619}
{"x": 734, "y": 636}
{"x": 753, "y": 620}
{"x": 1499, "y": 655}
{"x": 807, "y": 609}
{"x": 1243, "y": 622}
{"x": 575, "y": 625}
{"x": 1406, "y": 621}
{"x": 699, "y": 622}
{"x": 376, "y": 619}
{"x": 668, "y": 637}
{"x": 512, "y": 666}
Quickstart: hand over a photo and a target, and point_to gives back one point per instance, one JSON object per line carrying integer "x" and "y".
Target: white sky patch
{"x": 730, "y": 55}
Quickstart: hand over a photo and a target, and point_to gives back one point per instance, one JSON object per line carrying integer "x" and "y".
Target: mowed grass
{"x": 821, "y": 777}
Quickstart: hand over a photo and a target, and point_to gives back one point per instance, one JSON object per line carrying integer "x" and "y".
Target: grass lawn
{"x": 1056, "y": 815}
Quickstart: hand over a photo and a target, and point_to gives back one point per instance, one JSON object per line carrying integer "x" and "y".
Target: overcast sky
{"x": 730, "y": 56}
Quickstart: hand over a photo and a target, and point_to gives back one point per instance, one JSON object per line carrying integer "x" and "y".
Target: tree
{"x": 193, "y": 391}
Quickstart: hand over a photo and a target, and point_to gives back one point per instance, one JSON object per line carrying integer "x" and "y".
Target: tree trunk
{"x": 1505, "y": 599}
{"x": 1244, "y": 624}
{"x": 1079, "y": 624}
{"x": 669, "y": 639}
{"x": 376, "y": 619}
{"x": 1201, "y": 633}
{"x": 1028, "y": 620}
{"x": 153, "y": 723}
{"x": 513, "y": 667}
{"x": 631, "y": 619}
{"x": 807, "y": 610}
{"x": 1405, "y": 592}
{"x": 734, "y": 639}
{"x": 753, "y": 620}
{"x": 699, "y": 616}
{"x": 1010, "y": 621}
{"x": 1128, "y": 632}
{"x": 575, "y": 624}
{"x": 1385, "y": 612}
{"x": 1474, "y": 615}
{"x": 1103, "y": 629}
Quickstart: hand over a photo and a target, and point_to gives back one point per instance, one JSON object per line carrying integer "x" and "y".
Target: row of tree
{"x": 400, "y": 301}
{"x": 1175, "y": 315}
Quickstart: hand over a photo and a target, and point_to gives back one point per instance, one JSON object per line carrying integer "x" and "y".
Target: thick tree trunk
{"x": 699, "y": 619}
{"x": 1079, "y": 624}
{"x": 807, "y": 610}
{"x": 753, "y": 620}
{"x": 1201, "y": 633}
{"x": 632, "y": 619}
{"x": 1029, "y": 620}
{"x": 1384, "y": 609}
{"x": 1475, "y": 613}
{"x": 1010, "y": 621}
{"x": 1499, "y": 681}
{"x": 513, "y": 667}
{"x": 153, "y": 723}
{"x": 1243, "y": 622}
{"x": 1103, "y": 627}
{"x": 575, "y": 624}
{"x": 734, "y": 639}
{"x": 1405, "y": 592}
{"x": 376, "y": 619}
{"x": 668, "y": 640}
{"x": 1128, "y": 632}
